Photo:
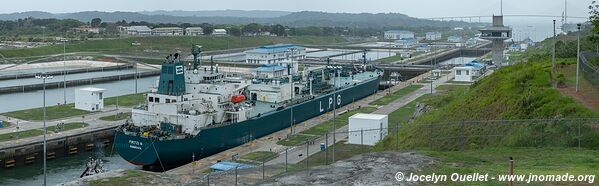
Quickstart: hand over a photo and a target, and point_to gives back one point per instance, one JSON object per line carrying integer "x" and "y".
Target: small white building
{"x": 275, "y": 54}
{"x": 89, "y": 99}
{"x": 167, "y": 31}
{"x": 469, "y": 72}
{"x": 398, "y": 34}
{"x": 219, "y": 32}
{"x": 194, "y": 31}
{"x": 138, "y": 30}
{"x": 367, "y": 129}
{"x": 433, "y": 36}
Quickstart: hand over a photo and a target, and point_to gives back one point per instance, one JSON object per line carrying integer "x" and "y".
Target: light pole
{"x": 44, "y": 76}
{"x": 335, "y": 110}
{"x": 64, "y": 69}
{"x": 292, "y": 50}
{"x": 553, "y": 52}
{"x": 578, "y": 60}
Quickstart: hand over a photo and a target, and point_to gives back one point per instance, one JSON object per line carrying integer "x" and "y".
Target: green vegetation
{"x": 126, "y": 100}
{"x": 158, "y": 46}
{"x": 52, "y": 113}
{"x": 68, "y": 110}
{"x": 260, "y": 156}
{"x": 396, "y": 95}
{"x": 323, "y": 128}
{"x": 116, "y": 117}
{"x": 129, "y": 176}
{"x": 38, "y": 132}
{"x": 521, "y": 91}
{"x": 391, "y": 59}
{"x": 540, "y": 161}
{"x": 342, "y": 151}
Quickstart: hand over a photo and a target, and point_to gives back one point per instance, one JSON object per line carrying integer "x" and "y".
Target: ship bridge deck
{"x": 343, "y": 82}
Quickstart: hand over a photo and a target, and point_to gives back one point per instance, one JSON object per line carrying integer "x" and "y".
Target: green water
{"x": 60, "y": 170}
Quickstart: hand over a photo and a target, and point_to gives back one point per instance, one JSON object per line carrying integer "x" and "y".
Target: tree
{"x": 207, "y": 28}
{"x": 252, "y": 28}
{"x": 96, "y": 22}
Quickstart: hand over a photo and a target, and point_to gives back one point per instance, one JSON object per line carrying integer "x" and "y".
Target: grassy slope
{"x": 165, "y": 45}
{"x": 522, "y": 91}
{"x": 38, "y": 132}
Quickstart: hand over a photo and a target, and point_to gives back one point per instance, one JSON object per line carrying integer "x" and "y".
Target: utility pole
{"x": 578, "y": 61}
{"x": 553, "y": 58}
{"x": 64, "y": 69}
{"x": 44, "y": 76}
{"x": 335, "y": 110}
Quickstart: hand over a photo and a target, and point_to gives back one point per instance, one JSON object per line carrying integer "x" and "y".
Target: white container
{"x": 367, "y": 129}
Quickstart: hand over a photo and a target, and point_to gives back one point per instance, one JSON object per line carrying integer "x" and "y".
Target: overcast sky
{"x": 415, "y": 8}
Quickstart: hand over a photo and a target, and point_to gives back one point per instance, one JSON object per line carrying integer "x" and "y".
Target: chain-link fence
{"x": 308, "y": 158}
{"x": 588, "y": 70}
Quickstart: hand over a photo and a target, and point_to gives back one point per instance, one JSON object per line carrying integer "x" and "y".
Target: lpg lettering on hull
{"x": 331, "y": 103}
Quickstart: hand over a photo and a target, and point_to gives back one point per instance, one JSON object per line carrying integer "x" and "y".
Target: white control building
{"x": 367, "y": 129}
{"x": 89, "y": 99}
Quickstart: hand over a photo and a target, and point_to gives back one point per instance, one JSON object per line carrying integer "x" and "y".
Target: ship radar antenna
{"x": 196, "y": 51}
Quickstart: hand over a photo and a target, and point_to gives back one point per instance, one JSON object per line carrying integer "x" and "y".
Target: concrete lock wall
{"x": 32, "y": 153}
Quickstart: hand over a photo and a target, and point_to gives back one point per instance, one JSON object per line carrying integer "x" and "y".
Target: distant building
{"x": 433, "y": 36}
{"x": 194, "y": 31}
{"x": 167, "y": 31}
{"x": 88, "y": 29}
{"x": 89, "y": 99}
{"x": 138, "y": 30}
{"x": 406, "y": 43}
{"x": 423, "y": 48}
{"x": 398, "y": 34}
{"x": 274, "y": 54}
{"x": 454, "y": 39}
{"x": 469, "y": 72}
{"x": 367, "y": 129}
{"x": 219, "y": 32}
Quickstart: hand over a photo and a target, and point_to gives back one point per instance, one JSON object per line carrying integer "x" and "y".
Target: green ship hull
{"x": 166, "y": 154}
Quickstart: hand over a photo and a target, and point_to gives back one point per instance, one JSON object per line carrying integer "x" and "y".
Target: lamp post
{"x": 334, "y": 111}
{"x": 64, "y": 69}
{"x": 292, "y": 50}
{"x": 553, "y": 52}
{"x": 44, "y": 76}
{"x": 578, "y": 60}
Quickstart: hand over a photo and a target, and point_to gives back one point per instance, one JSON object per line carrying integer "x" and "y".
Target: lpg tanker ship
{"x": 194, "y": 112}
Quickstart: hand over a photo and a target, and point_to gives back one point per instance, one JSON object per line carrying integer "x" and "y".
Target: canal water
{"x": 70, "y": 77}
{"x": 61, "y": 170}
{"x": 34, "y": 99}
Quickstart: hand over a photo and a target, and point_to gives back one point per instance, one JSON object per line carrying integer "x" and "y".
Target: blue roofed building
{"x": 469, "y": 72}
{"x": 273, "y": 54}
{"x": 406, "y": 43}
{"x": 270, "y": 71}
{"x": 225, "y": 166}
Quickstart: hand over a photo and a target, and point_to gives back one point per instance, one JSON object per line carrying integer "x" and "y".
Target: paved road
{"x": 298, "y": 153}
{"x": 268, "y": 143}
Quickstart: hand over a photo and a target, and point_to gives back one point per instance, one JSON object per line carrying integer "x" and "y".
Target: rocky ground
{"x": 366, "y": 169}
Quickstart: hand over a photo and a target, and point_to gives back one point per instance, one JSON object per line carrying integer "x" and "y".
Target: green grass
{"x": 260, "y": 156}
{"x": 38, "y": 132}
{"x": 116, "y": 117}
{"x": 521, "y": 91}
{"x": 396, "y": 95}
{"x": 390, "y": 59}
{"x": 126, "y": 100}
{"x": 52, "y": 113}
{"x": 545, "y": 161}
{"x": 68, "y": 110}
{"x": 323, "y": 128}
{"x": 158, "y": 46}
{"x": 342, "y": 151}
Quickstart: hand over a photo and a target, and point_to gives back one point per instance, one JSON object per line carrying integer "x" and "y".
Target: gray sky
{"x": 415, "y": 8}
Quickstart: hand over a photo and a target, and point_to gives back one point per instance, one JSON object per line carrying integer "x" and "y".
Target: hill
{"x": 296, "y": 19}
{"x": 498, "y": 106}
